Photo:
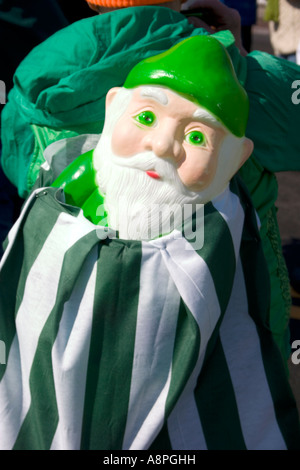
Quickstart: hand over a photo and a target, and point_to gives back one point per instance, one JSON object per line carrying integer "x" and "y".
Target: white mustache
{"x": 164, "y": 167}
{"x": 145, "y": 161}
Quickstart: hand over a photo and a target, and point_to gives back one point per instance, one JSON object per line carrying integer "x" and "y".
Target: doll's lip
{"x": 153, "y": 174}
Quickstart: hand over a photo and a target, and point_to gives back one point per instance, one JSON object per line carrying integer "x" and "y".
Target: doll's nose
{"x": 165, "y": 145}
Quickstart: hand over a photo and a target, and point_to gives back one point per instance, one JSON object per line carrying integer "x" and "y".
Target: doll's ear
{"x": 110, "y": 96}
{"x": 247, "y": 150}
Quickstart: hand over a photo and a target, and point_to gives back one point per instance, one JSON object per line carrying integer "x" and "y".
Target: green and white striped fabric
{"x": 115, "y": 344}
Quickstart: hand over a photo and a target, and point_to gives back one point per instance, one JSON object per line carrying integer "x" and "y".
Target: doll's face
{"x": 174, "y": 129}
{"x": 159, "y": 153}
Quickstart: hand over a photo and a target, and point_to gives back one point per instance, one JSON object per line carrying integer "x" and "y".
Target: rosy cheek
{"x": 196, "y": 180}
{"x": 197, "y": 173}
{"x": 124, "y": 140}
{"x": 118, "y": 143}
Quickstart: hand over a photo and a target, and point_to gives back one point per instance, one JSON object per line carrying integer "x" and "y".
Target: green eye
{"x": 196, "y": 138}
{"x": 147, "y": 118}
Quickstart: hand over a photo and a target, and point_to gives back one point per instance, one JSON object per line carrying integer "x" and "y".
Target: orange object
{"x": 124, "y": 3}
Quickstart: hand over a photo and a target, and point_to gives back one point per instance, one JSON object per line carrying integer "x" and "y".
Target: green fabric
{"x": 60, "y": 91}
{"x": 188, "y": 69}
{"x": 262, "y": 185}
{"x": 118, "y": 344}
{"x": 272, "y": 11}
{"x": 65, "y": 88}
{"x": 273, "y": 117}
{"x": 81, "y": 190}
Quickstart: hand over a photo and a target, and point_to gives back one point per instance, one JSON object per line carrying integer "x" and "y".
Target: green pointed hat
{"x": 200, "y": 69}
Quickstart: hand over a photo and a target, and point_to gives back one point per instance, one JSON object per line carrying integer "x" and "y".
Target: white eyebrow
{"x": 155, "y": 93}
{"x": 205, "y": 116}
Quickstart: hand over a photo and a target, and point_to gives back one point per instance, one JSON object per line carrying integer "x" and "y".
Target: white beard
{"x": 138, "y": 206}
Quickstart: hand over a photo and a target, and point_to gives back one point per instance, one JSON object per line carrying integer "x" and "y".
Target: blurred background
{"x": 288, "y": 204}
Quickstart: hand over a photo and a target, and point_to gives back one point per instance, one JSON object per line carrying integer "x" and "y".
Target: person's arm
{"x": 221, "y": 18}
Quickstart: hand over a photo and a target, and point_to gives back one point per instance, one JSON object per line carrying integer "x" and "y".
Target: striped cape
{"x": 114, "y": 344}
